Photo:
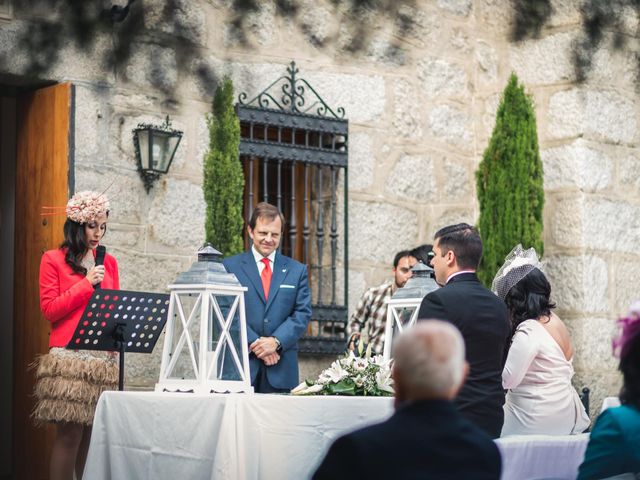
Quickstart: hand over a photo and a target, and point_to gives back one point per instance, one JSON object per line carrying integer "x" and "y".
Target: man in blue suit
{"x": 278, "y": 302}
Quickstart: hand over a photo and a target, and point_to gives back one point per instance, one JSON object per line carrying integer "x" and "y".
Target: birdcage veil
{"x": 517, "y": 265}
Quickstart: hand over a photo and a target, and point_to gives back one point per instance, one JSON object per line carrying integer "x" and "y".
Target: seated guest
{"x": 423, "y": 253}
{"x": 479, "y": 315}
{"x": 426, "y": 438}
{"x": 538, "y": 371}
{"x": 614, "y": 444}
{"x": 370, "y": 318}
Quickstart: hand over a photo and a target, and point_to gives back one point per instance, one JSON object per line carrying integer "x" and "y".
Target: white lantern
{"x": 205, "y": 347}
{"x": 403, "y": 306}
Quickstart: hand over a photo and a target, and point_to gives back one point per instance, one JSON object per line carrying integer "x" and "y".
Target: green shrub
{"x": 223, "y": 176}
{"x": 510, "y": 182}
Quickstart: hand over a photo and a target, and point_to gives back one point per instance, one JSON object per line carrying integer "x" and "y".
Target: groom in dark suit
{"x": 480, "y": 316}
{"x": 277, "y": 302}
{"x": 426, "y": 438}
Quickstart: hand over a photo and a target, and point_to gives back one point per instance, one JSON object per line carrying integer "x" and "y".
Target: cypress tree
{"x": 510, "y": 182}
{"x": 223, "y": 176}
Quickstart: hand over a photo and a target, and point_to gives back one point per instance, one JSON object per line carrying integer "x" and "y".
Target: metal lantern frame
{"x": 394, "y": 321}
{"x": 148, "y": 172}
{"x": 203, "y": 285}
{"x": 409, "y": 296}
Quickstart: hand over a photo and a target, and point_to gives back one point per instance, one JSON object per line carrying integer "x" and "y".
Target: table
{"x": 610, "y": 402}
{"x": 542, "y": 456}
{"x": 148, "y": 435}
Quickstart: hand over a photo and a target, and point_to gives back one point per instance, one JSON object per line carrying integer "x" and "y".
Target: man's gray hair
{"x": 430, "y": 357}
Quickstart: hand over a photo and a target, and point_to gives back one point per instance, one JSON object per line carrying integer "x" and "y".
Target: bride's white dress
{"x": 541, "y": 399}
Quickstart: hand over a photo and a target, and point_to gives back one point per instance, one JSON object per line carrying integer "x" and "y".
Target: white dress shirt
{"x": 258, "y": 258}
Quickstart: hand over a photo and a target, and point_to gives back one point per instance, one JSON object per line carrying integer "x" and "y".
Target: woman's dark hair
{"x": 529, "y": 298}
{"x": 630, "y": 368}
{"x": 75, "y": 241}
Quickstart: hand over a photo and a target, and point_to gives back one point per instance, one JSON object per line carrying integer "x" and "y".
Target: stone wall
{"x": 420, "y": 84}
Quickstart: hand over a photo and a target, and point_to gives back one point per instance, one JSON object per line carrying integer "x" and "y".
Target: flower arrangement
{"x": 352, "y": 375}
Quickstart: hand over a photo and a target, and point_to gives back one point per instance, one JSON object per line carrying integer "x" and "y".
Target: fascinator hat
{"x": 83, "y": 207}
{"x": 517, "y": 265}
{"x": 628, "y": 331}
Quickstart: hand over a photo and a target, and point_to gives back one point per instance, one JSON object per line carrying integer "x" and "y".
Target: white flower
{"x": 360, "y": 364}
{"x": 303, "y": 389}
{"x": 384, "y": 364}
{"x": 299, "y": 388}
{"x": 333, "y": 374}
{"x": 349, "y": 360}
{"x": 312, "y": 389}
{"x": 384, "y": 381}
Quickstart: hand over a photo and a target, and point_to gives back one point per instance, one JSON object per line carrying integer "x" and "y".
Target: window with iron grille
{"x": 294, "y": 151}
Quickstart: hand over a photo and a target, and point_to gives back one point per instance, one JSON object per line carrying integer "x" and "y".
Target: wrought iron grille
{"x": 294, "y": 151}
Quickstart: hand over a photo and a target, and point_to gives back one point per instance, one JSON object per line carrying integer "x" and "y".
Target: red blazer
{"x": 64, "y": 294}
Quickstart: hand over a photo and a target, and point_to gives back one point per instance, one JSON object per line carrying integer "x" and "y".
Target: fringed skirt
{"x": 69, "y": 382}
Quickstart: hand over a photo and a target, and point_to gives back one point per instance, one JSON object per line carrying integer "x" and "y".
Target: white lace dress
{"x": 541, "y": 399}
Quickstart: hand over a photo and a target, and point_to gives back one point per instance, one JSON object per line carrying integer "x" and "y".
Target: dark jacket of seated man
{"x": 426, "y": 438}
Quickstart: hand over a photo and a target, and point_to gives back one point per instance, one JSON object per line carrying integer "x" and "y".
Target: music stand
{"x": 121, "y": 320}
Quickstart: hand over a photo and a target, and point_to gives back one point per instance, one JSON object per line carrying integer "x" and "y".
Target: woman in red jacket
{"x": 69, "y": 382}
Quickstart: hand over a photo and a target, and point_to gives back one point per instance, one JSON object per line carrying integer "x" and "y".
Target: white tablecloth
{"x": 610, "y": 402}
{"x": 534, "y": 457}
{"x": 146, "y": 435}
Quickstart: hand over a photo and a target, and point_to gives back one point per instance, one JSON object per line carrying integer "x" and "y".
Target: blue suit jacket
{"x": 285, "y": 315}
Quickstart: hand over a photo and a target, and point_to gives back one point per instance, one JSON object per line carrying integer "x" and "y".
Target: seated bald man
{"x": 426, "y": 437}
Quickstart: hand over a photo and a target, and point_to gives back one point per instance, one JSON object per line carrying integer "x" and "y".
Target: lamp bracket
{"x": 148, "y": 178}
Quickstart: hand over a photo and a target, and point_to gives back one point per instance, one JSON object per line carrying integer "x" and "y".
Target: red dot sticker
{"x": 106, "y": 297}
{"x": 81, "y": 332}
{"x": 85, "y": 323}
{"x": 112, "y": 306}
{"x": 90, "y": 314}
{"x": 103, "y": 324}
{"x": 106, "y": 315}
{"x": 102, "y": 305}
{"x": 115, "y": 297}
{"x": 77, "y": 340}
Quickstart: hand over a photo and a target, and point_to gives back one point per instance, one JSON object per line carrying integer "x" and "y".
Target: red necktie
{"x": 266, "y": 277}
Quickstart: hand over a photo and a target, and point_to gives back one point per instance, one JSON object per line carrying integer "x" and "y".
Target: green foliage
{"x": 510, "y": 182}
{"x": 223, "y": 176}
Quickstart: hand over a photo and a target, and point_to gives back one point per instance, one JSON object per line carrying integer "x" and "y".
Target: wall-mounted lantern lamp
{"x": 155, "y": 147}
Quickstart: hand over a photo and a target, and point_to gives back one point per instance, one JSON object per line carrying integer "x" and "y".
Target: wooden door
{"x": 42, "y": 173}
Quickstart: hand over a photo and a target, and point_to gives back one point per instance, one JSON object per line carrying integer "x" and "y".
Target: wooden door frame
{"x": 44, "y": 177}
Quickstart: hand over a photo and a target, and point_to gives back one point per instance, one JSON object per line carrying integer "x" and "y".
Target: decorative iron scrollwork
{"x": 292, "y": 98}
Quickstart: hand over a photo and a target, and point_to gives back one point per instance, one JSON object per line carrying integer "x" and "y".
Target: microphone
{"x": 100, "y": 253}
